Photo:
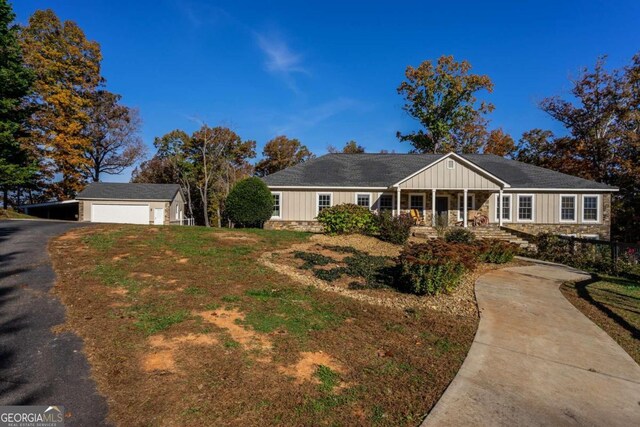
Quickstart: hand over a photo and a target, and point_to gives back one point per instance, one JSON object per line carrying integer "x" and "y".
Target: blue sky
{"x": 327, "y": 72}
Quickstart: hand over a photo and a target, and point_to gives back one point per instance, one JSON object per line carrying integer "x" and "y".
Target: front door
{"x": 442, "y": 210}
{"x": 158, "y": 216}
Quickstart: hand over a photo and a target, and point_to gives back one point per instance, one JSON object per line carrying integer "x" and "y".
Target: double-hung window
{"x": 525, "y": 207}
{"x": 471, "y": 204}
{"x": 568, "y": 208}
{"x": 416, "y": 201}
{"x": 386, "y": 202}
{"x": 324, "y": 201}
{"x": 277, "y": 201}
{"x": 590, "y": 208}
{"x": 363, "y": 199}
{"x": 506, "y": 207}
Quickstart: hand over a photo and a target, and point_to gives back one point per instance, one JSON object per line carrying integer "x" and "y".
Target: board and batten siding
{"x": 546, "y": 206}
{"x": 301, "y": 205}
{"x": 440, "y": 176}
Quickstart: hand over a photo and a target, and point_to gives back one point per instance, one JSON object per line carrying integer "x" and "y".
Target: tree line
{"x": 59, "y": 125}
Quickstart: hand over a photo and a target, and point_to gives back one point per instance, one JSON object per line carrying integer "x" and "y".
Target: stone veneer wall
{"x": 602, "y": 229}
{"x": 80, "y": 210}
{"x": 167, "y": 213}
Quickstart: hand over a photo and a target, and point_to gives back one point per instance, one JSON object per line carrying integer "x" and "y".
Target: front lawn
{"x": 613, "y": 303}
{"x": 185, "y": 326}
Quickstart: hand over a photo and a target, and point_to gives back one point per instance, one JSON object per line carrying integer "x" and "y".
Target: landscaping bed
{"x": 613, "y": 303}
{"x": 184, "y": 326}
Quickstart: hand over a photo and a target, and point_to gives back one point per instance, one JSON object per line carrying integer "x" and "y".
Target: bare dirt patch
{"x": 235, "y": 237}
{"x": 305, "y": 369}
{"x": 163, "y": 354}
{"x": 229, "y": 320}
{"x": 120, "y": 257}
{"x": 182, "y": 260}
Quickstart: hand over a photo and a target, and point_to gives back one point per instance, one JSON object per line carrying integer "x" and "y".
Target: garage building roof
{"x": 128, "y": 191}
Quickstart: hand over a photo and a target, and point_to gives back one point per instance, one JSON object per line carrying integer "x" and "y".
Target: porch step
{"x": 489, "y": 232}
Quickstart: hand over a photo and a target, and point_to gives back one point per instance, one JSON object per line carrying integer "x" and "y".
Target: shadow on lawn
{"x": 584, "y": 293}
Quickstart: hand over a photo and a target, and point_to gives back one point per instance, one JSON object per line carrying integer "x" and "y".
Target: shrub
{"x": 459, "y": 235}
{"x": 250, "y": 203}
{"x": 394, "y": 229}
{"x": 495, "y": 251}
{"x": 347, "y": 219}
{"x": 311, "y": 259}
{"x": 550, "y": 247}
{"x": 435, "y": 267}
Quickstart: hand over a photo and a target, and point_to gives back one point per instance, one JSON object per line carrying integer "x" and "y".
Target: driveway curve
{"x": 536, "y": 360}
{"x": 38, "y": 367}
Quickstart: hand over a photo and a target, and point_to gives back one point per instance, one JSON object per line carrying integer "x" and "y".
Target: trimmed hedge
{"x": 394, "y": 229}
{"x": 348, "y": 218}
{"x": 435, "y": 267}
{"x": 249, "y": 203}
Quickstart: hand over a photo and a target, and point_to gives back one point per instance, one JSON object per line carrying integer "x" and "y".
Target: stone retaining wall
{"x": 310, "y": 226}
{"x": 602, "y": 230}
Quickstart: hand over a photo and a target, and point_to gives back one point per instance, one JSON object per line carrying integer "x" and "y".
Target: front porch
{"x": 447, "y": 208}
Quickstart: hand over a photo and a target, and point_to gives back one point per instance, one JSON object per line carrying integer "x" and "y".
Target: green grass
{"x": 105, "y": 240}
{"x": 328, "y": 378}
{"x": 295, "y": 311}
{"x": 114, "y": 276}
{"x": 614, "y": 304}
{"x": 194, "y": 290}
{"x": 231, "y": 344}
{"x": 152, "y": 319}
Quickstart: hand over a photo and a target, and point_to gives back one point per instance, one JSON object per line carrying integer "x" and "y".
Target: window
{"x": 567, "y": 208}
{"x": 416, "y": 201}
{"x": 471, "y": 204}
{"x": 525, "y": 207}
{"x": 324, "y": 201}
{"x": 451, "y": 164}
{"x": 386, "y": 202}
{"x": 363, "y": 200}
{"x": 506, "y": 207}
{"x": 590, "y": 206}
{"x": 277, "y": 197}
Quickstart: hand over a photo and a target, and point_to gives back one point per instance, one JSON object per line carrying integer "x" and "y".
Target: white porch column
{"x": 500, "y": 207}
{"x": 398, "y": 201}
{"x": 433, "y": 207}
{"x": 464, "y": 210}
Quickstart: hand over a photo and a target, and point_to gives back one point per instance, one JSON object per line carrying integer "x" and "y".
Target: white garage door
{"x": 121, "y": 214}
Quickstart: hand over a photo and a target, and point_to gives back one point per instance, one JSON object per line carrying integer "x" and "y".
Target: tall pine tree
{"x": 15, "y": 85}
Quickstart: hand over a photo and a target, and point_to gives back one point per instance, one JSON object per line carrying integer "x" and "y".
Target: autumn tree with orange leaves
{"x": 603, "y": 138}
{"x": 67, "y": 69}
{"x": 78, "y": 129}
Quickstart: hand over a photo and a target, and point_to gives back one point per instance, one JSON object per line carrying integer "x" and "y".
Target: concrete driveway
{"x": 536, "y": 360}
{"x": 38, "y": 367}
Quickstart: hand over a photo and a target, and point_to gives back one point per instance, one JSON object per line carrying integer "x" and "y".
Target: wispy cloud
{"x": 280, "y": 59}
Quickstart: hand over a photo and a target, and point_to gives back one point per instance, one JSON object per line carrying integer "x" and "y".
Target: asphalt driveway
{"x": 38, "y": 367}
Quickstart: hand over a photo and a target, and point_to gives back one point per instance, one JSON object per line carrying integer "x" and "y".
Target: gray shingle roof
{"x": 385, "y": 170}
{"x": 128, "y": 191}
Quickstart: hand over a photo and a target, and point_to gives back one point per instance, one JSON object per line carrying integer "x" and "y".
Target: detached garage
{"x": 157, "y": 204}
